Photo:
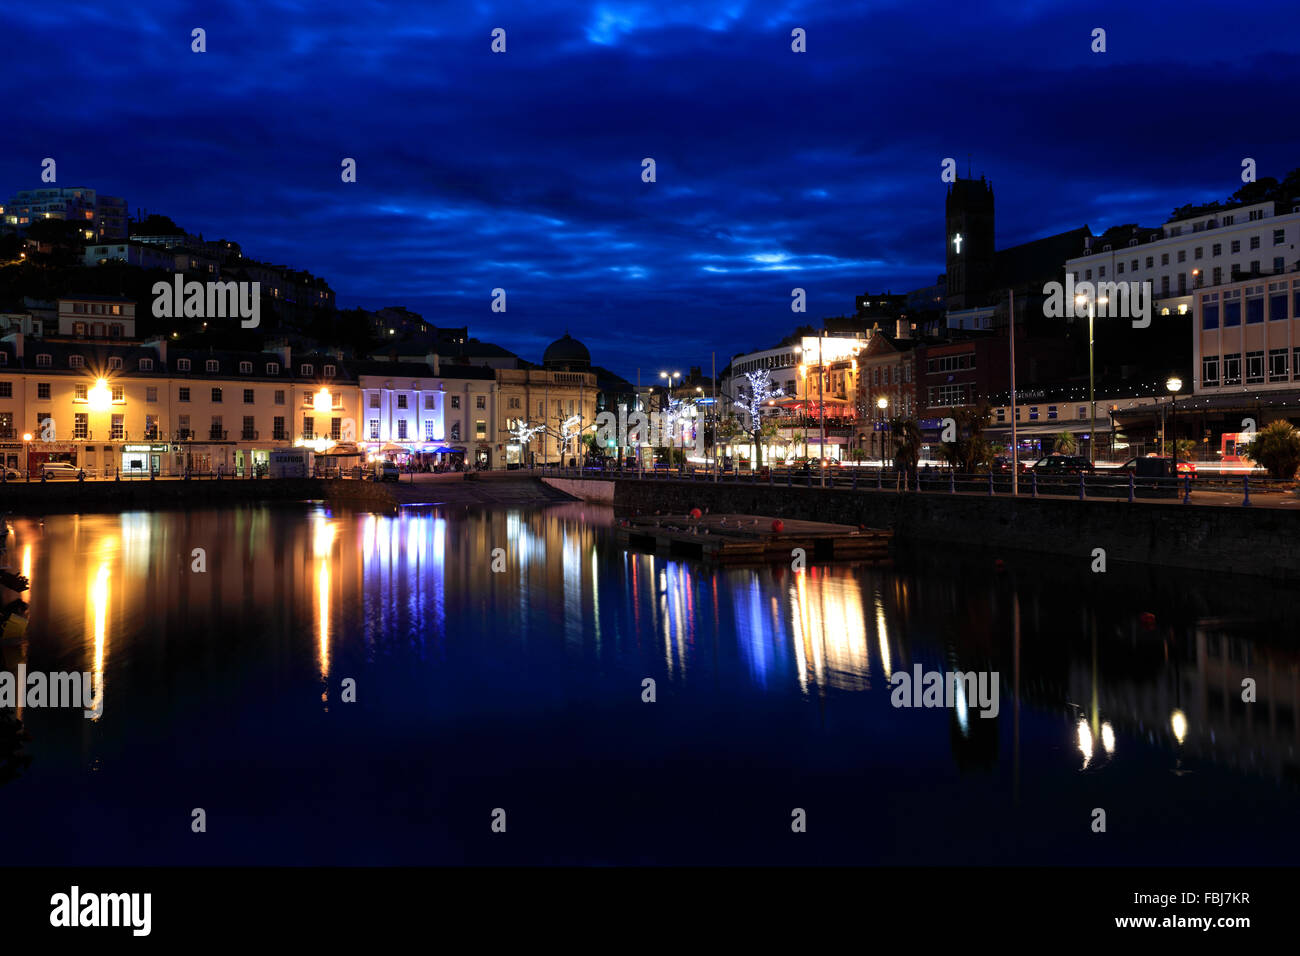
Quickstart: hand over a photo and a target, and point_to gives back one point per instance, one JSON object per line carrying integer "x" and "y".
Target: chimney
{"x": 436, "y": 361}
{"x": 17, "y": 339}
{"x": 287, "y": 356}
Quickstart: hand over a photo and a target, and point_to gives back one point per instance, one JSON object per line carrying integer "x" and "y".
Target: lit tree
{"x": 760, "y": 393}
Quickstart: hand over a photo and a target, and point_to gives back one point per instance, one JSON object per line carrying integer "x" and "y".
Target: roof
{"x": 1037, "y": 261}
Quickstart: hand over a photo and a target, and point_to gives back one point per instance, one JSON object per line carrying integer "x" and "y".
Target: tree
{"x": 905, "y": 434}
{"x": 760, "y": 393}
{"x": 155, "y": 225}
{"x": 1276, "y": 447}
{"x": 1066, "y": 443}
{"x": 971, "y": 451}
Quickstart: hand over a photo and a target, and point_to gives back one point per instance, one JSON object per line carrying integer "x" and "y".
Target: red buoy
{"x": 695, "y": 513}
{"x": 778, "y": 525}
{"x": 1148, "y": 620}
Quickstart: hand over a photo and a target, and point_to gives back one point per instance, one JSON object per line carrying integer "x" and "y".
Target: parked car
{"x": 385, "y": 471}
{"x": 1156, "y": 466}
{"x": 1063, "y": 465}
{"x": 1002, "y": 465}
{"x": 60, "y": 469}
{"x": 11, "y": 474}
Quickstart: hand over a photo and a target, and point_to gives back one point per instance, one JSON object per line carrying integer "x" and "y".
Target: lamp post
{"x": 1092, "y": 302}
{"x": 1174, "y": 384}
{"x": 669, "y": 377}
{"x": 882, "y": 403}
{"x": 27, "y": 456}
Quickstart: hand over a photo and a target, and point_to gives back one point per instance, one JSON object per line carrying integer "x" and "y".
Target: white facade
{"x": 1197, "y": 252}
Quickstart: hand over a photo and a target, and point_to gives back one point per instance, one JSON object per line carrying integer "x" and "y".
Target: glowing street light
{"x": 323, "y": 401}
{"x": 100, "y": 398}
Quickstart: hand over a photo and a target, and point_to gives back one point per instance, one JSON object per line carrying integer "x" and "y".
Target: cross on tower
{"x": 956, "y": 241}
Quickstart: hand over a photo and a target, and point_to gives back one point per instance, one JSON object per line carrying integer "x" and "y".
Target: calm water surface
{"x": 522, "y": 690}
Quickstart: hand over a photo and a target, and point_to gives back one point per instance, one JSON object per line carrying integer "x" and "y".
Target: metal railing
{"x": 1103, "y": 484}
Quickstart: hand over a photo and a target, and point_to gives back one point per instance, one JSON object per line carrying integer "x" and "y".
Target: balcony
{"x": 7, "y": 433}
{"x": 279, "y": 434}
{"x": 248, "y": 434}
{"x": 216, "y": 434}
{"x": 183, "y": 434}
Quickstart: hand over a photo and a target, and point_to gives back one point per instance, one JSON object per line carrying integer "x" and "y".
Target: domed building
{"x": 566, "y": 354}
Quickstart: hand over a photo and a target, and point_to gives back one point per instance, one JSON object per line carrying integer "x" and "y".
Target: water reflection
{"x": 518, "y": 593}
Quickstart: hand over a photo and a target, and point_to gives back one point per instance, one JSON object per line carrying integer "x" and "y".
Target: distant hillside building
{"x": 102, "y": 217}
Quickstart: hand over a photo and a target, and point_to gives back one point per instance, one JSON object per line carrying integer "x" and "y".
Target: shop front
{"x": 140, "y": 461}
{"x": 39, "y": 452}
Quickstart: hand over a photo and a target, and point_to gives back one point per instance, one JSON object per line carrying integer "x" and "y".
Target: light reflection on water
{"x": 524, "y": 615}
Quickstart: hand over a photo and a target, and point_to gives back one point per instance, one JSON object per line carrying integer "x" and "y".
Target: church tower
{"x": 969, "y": 218}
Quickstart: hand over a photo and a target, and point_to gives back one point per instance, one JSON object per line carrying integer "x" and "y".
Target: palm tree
{"x": 905, "y": 434}
{"x": 1066, "y": 443}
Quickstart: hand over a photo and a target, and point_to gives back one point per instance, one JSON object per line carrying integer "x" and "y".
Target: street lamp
{"x": 1092, "y": 303}
{"x": 27, "y": 455}
{"x": 1174, "y": 384}
{"x": 882, "y": 403}
{"x": 668, "y": 376}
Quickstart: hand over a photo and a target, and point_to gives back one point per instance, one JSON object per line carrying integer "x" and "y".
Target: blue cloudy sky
{"x": 523, "y": 170}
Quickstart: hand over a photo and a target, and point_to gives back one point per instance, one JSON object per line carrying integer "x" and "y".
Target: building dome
{"x": 565, "y": 353}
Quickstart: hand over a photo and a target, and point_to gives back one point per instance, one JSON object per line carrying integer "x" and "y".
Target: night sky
{"x": 523, "y": 170}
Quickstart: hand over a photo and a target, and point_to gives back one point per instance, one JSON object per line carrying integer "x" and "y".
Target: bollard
{"x": 1081, "y": 492}
{"x": 789, "y": 477}
{"x": 855, "y": 479}
{"x": 918, "y": 480}
{"x": 1187, "y": 489}
{"x": 952, "y": 481}
{"x": 879, "y": 471}
{"x": 1034, "y": 482}
{"x": 1132, "y": 484}
{"x": 990, "y": 484}
{"x": 1245, "y": 486}
{"x": 770, "y": 478}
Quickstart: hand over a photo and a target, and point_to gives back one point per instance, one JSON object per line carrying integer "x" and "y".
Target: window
{"x": 248, "y": 396}
{"x": 1101, "y": 272}
{"x": 401, "y": 429}
{"x": 117, "y": 427}
{"x": 1254, "y": 266}
{"x": 304, "y": 370}
{"x": 1279, "y": 264}
{"x": 480, "y": 429}
{"x": 279, "y": 396}
{"x": 401, "y": 401}
{"x": 114, "y": 362}
{"x": 1081, "y": 413}
{"x": 76, "y": 361}
{"x": 1279, "y": 237}
{"x": 429, "y": 403}
{"x": 374, "y": 429}
{"x": 455, "y": 431}
{"x": 1151, "y": 262}
{"x": 329, "y": 371}
{"x": 81, "y": 425}
{"x": 308, "y": 427}
{"x": 1232, "y": 369}
{"x": 336, "y": 428}
{"x": 1198, "y": 252}
{"x": 183, "y": 394}
{"x": 307, "y": 400}
{"x": 1276, "y": 301}
{"x": 428, "y": 430}
{"x": 146, "y": 365}
{"x": 1277, "y": 365}
{"x": 1231, "y": 308}
{"x": 42, "y": 361}
{"x": 79, "y": 393}
{"x": 514, "y": 402}
{"x": 212, "y": 365}
{"x": 248, "y": 433}
{"x": 245, "y": 368}
{"x": 183, "y": 426}
{"x": 1256, "y": 214}
{"x": 1164, "y": 258}
{"x": 1164, "y": 285}
{"x": 1033, "y": 413}
{"x": 151, "y": 427}
{"x": 216, "y": 394}
{"x": 119, "y": 394}
{"x": 455, "y": 399}
{"x": 1254, "y": 242}
{"x": 6, "y": 389}
{"x": 182, "y": 365}
{"x": 277, "y": 428}
{"x": 1254, "y": 368}
{"x": 1216, "y": 249}
{"x": 1119, "y": 269}
{"x": 374, "y": 399}
{"x": 272, "y": 368}
{"x": 480, "y": 401}
{"x": 1182, "y": 255}
{"x": 42, "y": 389}
{"x": 215, "y": 431}
{"x": 1051, "y": 412}
{"x": 1235, "y": 246}
{"x": 1229, "y": 220}
{"x": 1088, "y": 274}
{"x": 151, "y": 393}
